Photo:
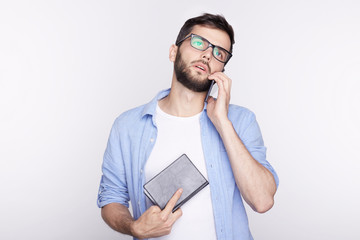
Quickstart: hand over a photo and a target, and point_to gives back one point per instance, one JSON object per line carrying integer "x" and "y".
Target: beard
{"x": 196, "y": 82}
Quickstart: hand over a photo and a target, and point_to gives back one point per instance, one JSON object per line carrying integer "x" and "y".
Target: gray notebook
{"x": 182, "y": 173}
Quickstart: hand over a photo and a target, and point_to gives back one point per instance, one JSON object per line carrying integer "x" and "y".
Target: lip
{"x": 201, "y": 65}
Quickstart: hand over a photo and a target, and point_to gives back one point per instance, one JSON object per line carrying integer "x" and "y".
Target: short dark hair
{"x": 208, "y": 20}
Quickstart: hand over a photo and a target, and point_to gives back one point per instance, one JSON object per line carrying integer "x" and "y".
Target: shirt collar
{"x": 150, "y": 108}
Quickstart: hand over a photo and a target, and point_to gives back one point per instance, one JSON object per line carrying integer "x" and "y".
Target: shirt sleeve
{"x": 254, "y": 143}
{"x": 113, "y": 186}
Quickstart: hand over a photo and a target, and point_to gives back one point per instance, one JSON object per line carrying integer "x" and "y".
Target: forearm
{"x": 255, "y": 182}
{"x": 118, "y": 217}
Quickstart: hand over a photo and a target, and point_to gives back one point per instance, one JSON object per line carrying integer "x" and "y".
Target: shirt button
{"x": 141, "y": 171}
{"x": 151, "y": 140}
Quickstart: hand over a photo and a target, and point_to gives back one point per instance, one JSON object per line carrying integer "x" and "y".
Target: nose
{"x": 207, "y": 54}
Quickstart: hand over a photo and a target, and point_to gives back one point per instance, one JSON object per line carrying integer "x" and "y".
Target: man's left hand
{"x": 217, "y": 110}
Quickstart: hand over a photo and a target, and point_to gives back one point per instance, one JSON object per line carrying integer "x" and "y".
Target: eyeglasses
{"x": 200, "y": 43}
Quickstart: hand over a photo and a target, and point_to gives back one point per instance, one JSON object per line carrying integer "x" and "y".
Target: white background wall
{"x": 68, "y": 68}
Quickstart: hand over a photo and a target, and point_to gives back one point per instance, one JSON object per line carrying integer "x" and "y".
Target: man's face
{"x": 192, "y": 67}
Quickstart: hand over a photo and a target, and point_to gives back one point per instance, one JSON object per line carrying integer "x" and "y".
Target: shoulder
{"x": 242, "y": 119}
{"x": 137, "y": 117}
{"x": 130, "y": 118}
{"x": 240, "y": 114}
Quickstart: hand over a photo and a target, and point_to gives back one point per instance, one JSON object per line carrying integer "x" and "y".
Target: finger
{"x": 224, "y": 85}
{"x": 172, "y": 202}
{"x": 173, "y": 217}
{"x": 226, "y": 82}
{"x": 228, "y": 85}
{"x": 218, "y": 76}
{"x": 215, "y": 78}
{"x": 221, "y": 88}
{"x": 154, "y": 209}
{"x": 224, "y": 89}
{"x": 177, "y": 214}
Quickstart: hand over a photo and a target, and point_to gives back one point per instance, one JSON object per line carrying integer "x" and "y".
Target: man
{"x": 223, "y": 141}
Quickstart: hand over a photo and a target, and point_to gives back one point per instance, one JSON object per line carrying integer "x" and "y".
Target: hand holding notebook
{"x": 182, "y": 173}
{"x": 155, "y": 222}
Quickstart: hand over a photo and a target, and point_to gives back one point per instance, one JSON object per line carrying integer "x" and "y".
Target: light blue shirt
{"x": 132, "y": 139}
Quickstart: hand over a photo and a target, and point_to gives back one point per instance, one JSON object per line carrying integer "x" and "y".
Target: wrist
{"x": 225, "y": 128}
{"x": 133, "y": 229}
{"x": 222, "y": 123}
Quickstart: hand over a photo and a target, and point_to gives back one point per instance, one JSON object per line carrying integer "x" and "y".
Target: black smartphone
{"x": 211, "y": 86}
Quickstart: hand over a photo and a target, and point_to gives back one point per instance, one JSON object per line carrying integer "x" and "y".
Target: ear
{"x": 172, "y": 52}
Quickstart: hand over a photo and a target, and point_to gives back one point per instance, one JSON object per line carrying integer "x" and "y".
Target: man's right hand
{"x": 157, "y": 223}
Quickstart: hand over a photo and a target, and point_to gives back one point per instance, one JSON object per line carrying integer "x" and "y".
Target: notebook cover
{"x": 182, "y": 173}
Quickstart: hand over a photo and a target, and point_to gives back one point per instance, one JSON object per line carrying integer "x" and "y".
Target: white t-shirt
{"x": 178, "y": 135}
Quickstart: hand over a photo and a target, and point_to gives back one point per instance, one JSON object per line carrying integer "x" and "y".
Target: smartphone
{"x": 211, "y": 86}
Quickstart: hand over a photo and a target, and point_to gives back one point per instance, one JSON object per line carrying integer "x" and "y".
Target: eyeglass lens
{"x": 203, "y": 44}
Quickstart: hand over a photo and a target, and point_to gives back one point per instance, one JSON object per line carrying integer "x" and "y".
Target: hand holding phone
{"x": 217, "y": 109}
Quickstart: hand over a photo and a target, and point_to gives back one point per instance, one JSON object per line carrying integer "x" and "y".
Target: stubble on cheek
{"x": 190, "y": 78}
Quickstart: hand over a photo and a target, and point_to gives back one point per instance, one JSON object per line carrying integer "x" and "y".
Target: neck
{"x": 182, "y": 102}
